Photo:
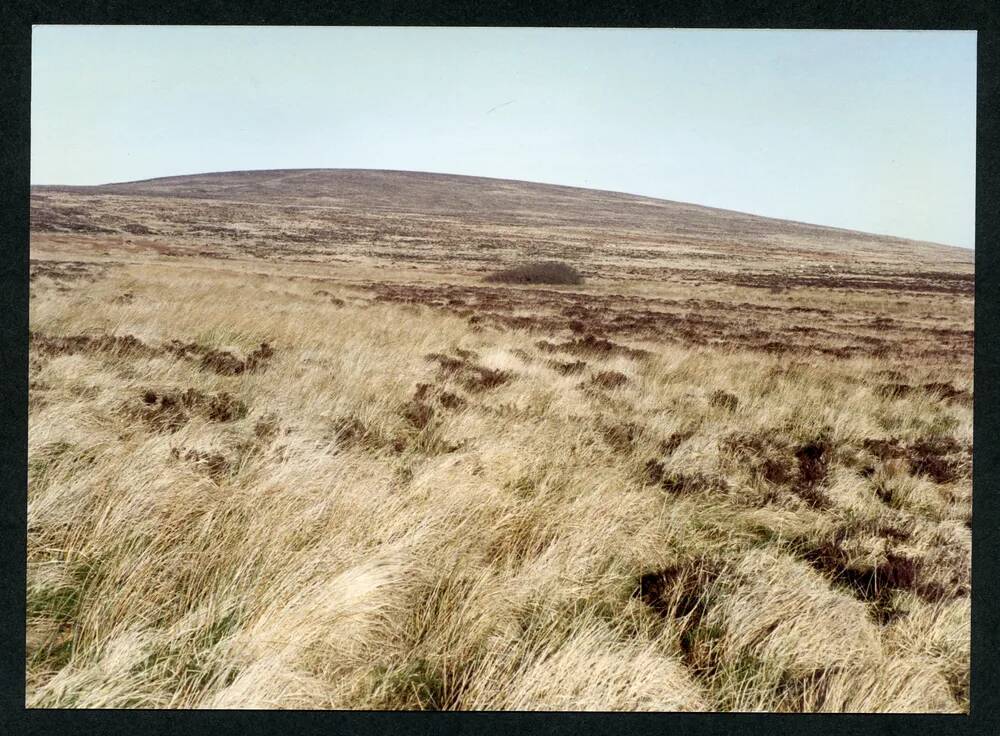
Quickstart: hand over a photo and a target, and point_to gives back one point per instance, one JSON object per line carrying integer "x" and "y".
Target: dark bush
{"x": 542, "y": 272}
{"x": 610, "y": 379}
{"x": 724, "y": 399}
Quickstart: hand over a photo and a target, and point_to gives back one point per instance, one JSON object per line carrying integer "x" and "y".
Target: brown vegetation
{"x": 312, "y": 460}
{"x": 543, "y": 272}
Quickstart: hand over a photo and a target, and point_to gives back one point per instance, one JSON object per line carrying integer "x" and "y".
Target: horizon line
{"x": 518, "y": 181}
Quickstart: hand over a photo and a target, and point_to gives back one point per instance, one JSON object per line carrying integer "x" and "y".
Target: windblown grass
{"x": 674, "y": 528}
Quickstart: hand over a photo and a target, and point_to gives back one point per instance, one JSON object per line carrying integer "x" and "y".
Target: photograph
{"x": 396, "y": 368}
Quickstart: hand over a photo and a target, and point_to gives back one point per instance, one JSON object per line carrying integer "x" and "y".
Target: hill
{"x": 504, "y": 202}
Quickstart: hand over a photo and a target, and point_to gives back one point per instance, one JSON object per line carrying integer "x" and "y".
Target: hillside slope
{"x": 324, "y": 193}
{"x": 294, "y": 441}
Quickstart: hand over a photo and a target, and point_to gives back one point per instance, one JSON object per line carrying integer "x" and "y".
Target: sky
{"x": 867, "y": 130}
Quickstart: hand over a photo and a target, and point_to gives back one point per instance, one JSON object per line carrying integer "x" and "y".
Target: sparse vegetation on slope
{"x": 665, "y": 529}
{"x": 339, "y": 477}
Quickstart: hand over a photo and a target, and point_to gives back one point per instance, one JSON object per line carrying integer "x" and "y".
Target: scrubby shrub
{"x": 542, "y": 272}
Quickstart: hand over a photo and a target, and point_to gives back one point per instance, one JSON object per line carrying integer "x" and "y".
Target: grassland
{"x": 288, "y": 447}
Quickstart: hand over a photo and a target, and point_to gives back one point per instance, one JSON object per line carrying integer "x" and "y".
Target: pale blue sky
{"x": 868, "y": 130}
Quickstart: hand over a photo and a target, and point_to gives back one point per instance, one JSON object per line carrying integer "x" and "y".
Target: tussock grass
{"x": 351, "y": 540}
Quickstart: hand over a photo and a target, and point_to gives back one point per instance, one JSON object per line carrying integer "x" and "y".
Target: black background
{"x": 16, "y": 19}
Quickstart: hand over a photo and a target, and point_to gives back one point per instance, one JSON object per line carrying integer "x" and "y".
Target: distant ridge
{"x": 480, "y": 198}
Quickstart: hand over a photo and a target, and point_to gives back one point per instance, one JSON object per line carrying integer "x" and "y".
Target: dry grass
{"x": 391, "y": 505}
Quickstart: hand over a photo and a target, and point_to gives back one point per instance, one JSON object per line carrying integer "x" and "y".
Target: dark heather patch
{"x": 774, "y": 347}
{"x": 121, "y": 344}
{"x": 765, "y": 456}
{"x": 876, "y": 582}
{"x": 724, "y": 400}
{"x": 622, "y": 437}
{"x": 942, "y": 459}
{"x": 170, "y": 410}
{"x": 681, "y": 592}
{"x": 898, "y": 529}
{"x": 427, "y": 392}
{"x": 937, "y": 446}
{"x": 446, "y": 363}
{"x": 451, "y": 401}
{"x": 610, "y": 379}
{"x": 266, "y": 428}
{"x": 671, "y": 443}
{"x": 484, "y": 379}
{"x": 870, "y": 583}
{"x": 349, "y": 431}
{"x": 791, "y": 690}
{"x": 182, "y": 349}
{"x": 163, "y": 413}
{"x": 675, "y": 590}
{"x": 884, "y": 449}
{"x": 591, "y": 345}
{"x": 214, "y": 464}
{"x": 891, "y": 375}
{"x": 223, "y": 407}
{"x": 473, "y": 377}
{"x": 679, "y": 483}
{"x": 925, "y": 462}
{"x": 65, "y": 270}
{"x": 259, "y": 358}
{"x": 948, "y": 392}
{"x": 746, "y": 445}
{"x": 775, "y": 471}
{"x": 885, "y": 494}
{"x": 222, "y": 362}
{"x": 690, "y": 321}
{"x": 418, "y": 414}
{"x": 893, "y": 390}
{"x": 813, "y": 460}
{"x": 226, "y": 364}
{"x": 944, "y": 391}
{"x": 893, "y": 532}
{"x": 569, "y": 368}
